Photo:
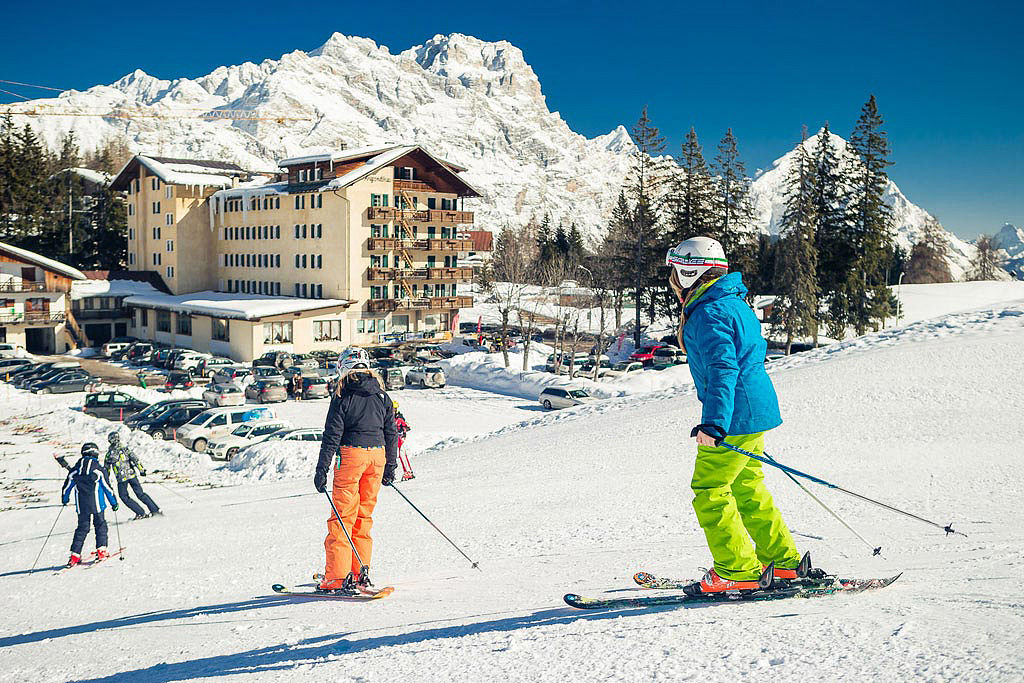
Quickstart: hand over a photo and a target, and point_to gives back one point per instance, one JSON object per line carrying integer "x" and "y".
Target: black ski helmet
{"x": 90, "y": 450}
{"x": 113, "y": 437}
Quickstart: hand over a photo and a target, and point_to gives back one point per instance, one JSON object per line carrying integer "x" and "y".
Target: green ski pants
{"x": 733, "y": 506}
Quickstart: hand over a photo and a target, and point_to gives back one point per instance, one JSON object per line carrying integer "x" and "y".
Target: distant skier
{"x": 361, "y": 440}
{"x": 92, "y": 493}
{"x": 121, "y": 462}
{"x": 725, "y": 351}
{"x": 403, "y": 429}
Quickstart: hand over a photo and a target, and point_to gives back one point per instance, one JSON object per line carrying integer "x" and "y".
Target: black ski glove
{"x": 115, "y": 507}
{"x": 389, "y": 475}
{"x": 142, "y": 473}
{"x": 714, "y": 431}
{"x": 320, "y": 480}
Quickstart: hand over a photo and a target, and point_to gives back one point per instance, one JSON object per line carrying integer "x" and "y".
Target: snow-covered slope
{"x": 576, "y": 501}
{"x": 908, "y": 219}
{"x": 1011, "y": 240}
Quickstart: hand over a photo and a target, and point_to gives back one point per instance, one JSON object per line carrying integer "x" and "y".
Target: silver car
{"x": 426, "y": 376}
{"x": 224, "y": 395}
{"x": 267, "y": 391}
{"x": 553, "y": 398}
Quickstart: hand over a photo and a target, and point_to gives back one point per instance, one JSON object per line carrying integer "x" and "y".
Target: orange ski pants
{"x": 357, "y": 475}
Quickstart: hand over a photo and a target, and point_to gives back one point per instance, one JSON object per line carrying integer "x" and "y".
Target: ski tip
{"x": 642, "y": 578}
{"x": 572, "y": 599}
{"x": 278, "y": 588}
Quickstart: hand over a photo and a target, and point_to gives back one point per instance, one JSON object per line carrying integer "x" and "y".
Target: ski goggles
{"x": 685, "y": 260}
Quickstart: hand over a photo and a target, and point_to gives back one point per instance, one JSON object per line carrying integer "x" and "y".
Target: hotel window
{"x": 319, "y": 291}
{"x": 170, "y": 271}
{"x": 319, "y": 174}
{"x": 184, "y": 324}
{"x": 277, "y": 202}
{"x": 144, "y": 317}
{"x": 248, "y": 232}
{"x": 154, "y": 183}
{"x": 319, "y": 202}
{"x": 297, "y": 290}
{"x": 156, "y": 259}
{"x": 297, "y": 261}
{"x": 431, "y": 202}
{"x": 319, "y": 230}
{"x": 361, "y": 326}
{"x": 296, "y": 231}
{"x": 378, "y": 200}
{"x": 131, "y": 233}
{"x": 326, "y": 330}
{"x": 156, "y": 233}
{"x": 131, "y": 259}
{"x": 221, "y": 330}
{"x": 319, "y": 261}
{"x": 163, "y": 321}
{"x": 303, "y": 231}
{"x": 169, "y": 192}
{"x": 431, "y": 232}
{"x": 305, "y": 291}
{"x": 277, "y": 260}
{"x": 131, "y": 209}
{"x": 170, "y": 245}
{"x": 405, "y": 173}
{"x": 446, "y": 233}
{"x": 431, "y": 260}
{"x": 277, "y": 232}
{"x": 371, "y": 326}
{"x": 136, "y": 184}
{"x": 156, "y": 207}
{"x": 277, "y": 333}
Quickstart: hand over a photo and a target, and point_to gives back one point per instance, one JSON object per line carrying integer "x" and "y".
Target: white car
{"x": 304, "y": 434}
{"x": 553, "y": 398}
{"x": 226, "y": 446}
{"x": 224, "y": 395}
{"x": 189, "y": 362}
{"x": 208, "y": 366}
{"x": 209, "y": 424}
{"x": 426, "y": 376}
{"x": 626, "y": 367}
{"x": 110, "y": 348}
{"x": 10, "y": 350}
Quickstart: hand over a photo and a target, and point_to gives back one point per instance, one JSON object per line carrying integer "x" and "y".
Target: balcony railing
{"x": 435, "y": 303}
{"x": 443, "y": 244}
{"x": 413, "y": 186}
{"x": 33, "y": 318}
{"x": 97, "y": 314}
{"x": 388, "y": 213}
{"x": 22, "y": 286}
{"x": 374, "y": 274}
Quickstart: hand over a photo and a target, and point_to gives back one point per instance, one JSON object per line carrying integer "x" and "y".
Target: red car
{"x": 645, "y": 354}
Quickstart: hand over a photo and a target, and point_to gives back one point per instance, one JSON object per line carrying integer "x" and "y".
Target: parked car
{"x": 667, "y": 356}
{"x": 8, "y": 366}
{"x": 393, "y": 378}
{"x": 188, "y": 362}
{"x": 277, "y": 359}
{"x": 563, "y": 361}
{"x": 227, "y": 446}
{"x": 426, "y": 376}
{"x": 179, "y": 380}
{"x": 553, "y": 398}
{"x": 587, "y": 369}
{"x": 165, "y": 425}
{"x": 111, "y": 347}
{"x": 305, "y": 360}
{"x": 8, "y": 350}
{"x": 645, "y": 354}
{"x": 270, "y": 372}
{"x": 224, "y": 395}
{"x": 172, "y": 357}
{"x": 232, "y": 374}
{"x": 136, "y": 351}
{"x": 66, "y": 382}
{"x": 197, "y": 432}
{"x": 159, "y": 408}
{"x": 267, "y": 391}
{"x": 112, "y": 405}
{"x": 159, "y": 357}
{"x": 302, "y": 434}
{"x": 624, "y": 368}
{"x": 314, "y": 387}
{"x": 208, "y": 366}
{"x": 46, "y": 373}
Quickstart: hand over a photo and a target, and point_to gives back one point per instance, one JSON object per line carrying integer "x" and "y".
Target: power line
{"x": 30, "y": 85}
{"x": 8, "y": 92}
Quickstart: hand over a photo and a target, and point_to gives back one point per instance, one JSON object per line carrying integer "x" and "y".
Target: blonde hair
{"x": 684, "y": 294}
{"x": 350, "y": 376}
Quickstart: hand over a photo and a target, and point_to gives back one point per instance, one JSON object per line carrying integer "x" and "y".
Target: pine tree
{"x": 928, "y": 262}
{"x": 694, "y": 196}
{"x": 986, "y": 263}
{"x": 617, "y": 255}
{"x": 796, "y": 284}
{"x": 733, "y": 207}
{"x": 643, "y": 189}
{"x": 545, "y": 241}
{"x": 872, "y": 225}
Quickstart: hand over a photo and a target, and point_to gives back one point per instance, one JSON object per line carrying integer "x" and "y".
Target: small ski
{"x": 364, "y": 595}
{"x": 95, "y": 560}
{"x": 782, "y": 592}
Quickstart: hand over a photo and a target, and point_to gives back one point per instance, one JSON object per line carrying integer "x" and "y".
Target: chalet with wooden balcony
{"x": 35, "y": 308}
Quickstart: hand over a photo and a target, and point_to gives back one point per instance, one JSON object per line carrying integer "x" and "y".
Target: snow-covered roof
{"x": 43, "y": 262}
{"x": 97, "y": 177}
{"x": 232, "y": 305}
{"x": 354, "y": 153}
{"x": 192, "y": 172}
{"x": 387, "y": 157}
{"x": 81, "y": 289}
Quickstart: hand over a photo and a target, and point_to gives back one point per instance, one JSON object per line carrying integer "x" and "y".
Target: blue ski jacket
{"x": 89, "y": 482}
{"x": 725, "y": 351}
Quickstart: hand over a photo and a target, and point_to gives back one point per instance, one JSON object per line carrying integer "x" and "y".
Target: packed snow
{"x": 231, "y": 305}
{"x": 571, "y": 501}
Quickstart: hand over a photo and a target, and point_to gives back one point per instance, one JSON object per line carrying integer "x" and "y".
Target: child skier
{"x": 126, "y": 468}
{"x": 726, "y": 352}
{"x": 403, "y": 428}
{"x": 92, "y": 493}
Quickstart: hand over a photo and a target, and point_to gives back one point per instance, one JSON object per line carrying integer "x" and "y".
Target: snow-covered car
{"x": 226, "y": 446}
{"x": 224, "y": 395}
{"x": 197, "y": 432}
{"x": 668, "y": 356}
{"x": 624, "y": 368}
{"x": 426, "y": 376}
{"x": 303, "y": 434}
{"x": 553, "y": 398}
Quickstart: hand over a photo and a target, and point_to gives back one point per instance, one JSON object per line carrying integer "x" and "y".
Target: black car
{"x": 27, "y": 381}
{"x": 167, "y": 362}
{"x": 9, "y": 366}
{"x": 277, "y": 359}
{"x": 138, "y": 354}
{"x": 159, "y": 408}
{"x": 179, "y": 380}
{"x": 64, "y": 383}
{"x": 29, "y": 371}
{"x": 163, "y": 425}
{"x": 112, "y": 405}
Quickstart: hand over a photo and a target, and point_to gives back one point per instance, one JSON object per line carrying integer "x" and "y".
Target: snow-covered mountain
{"x": 1011, "y": 240}
{"x": 476, "y": 103}
{"x": 909, "y": 220}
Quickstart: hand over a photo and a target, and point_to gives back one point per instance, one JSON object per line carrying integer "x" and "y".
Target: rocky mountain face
{"x": 477, "y": 103}
{"x": 1010, "y": 239}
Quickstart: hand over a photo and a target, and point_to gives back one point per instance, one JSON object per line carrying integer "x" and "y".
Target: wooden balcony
{"x": 447, "y": 274}
{"x": 443, "y": 245}
{"x": 22, "y": 286}
{"x": 413, "y": 186}
{"x": 33, "y": 318}
{"x": 436, "y": 303}
{"x": 417, "y": 215}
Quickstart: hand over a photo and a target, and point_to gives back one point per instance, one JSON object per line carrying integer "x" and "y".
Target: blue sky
{"x": 948, "y": 76}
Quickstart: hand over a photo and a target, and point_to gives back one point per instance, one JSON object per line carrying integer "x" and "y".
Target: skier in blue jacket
{"x": 92, "y": 493}
{"x": 726, "y": 353}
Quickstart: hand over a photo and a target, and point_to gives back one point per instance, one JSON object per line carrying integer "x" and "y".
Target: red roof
{"x": 483, "y": 240}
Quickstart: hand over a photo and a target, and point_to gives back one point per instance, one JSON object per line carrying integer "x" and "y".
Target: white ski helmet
{"x": 354, "y": 363}
{"x": 693, "y": 257}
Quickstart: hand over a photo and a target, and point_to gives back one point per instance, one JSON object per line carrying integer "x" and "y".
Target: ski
{"x": 95, "y": 560}
{"x": 782, "y": 592}
{"x": 364, "y": 595}
{"x": 649, "y": 581}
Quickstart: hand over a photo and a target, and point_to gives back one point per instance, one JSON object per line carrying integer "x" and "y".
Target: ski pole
{"x": 362, "y": 567}
{"x": 817, "y": 480}
{"x": 117, "y": 530}
{"x": 160, "y": 483}
{"x": 48, "y": 537}
{"x": 874, "y": 550}
{"x": 475, "y": 564}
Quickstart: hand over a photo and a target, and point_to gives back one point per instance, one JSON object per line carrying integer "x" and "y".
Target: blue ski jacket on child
{"x": 725, "y": 351}
{"x": 88, "y": 481}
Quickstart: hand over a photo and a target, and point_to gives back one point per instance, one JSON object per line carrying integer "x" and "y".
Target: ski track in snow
{"x": 925, "y": 416}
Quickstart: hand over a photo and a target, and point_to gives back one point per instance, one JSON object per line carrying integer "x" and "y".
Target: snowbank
{"x": 921, "y": 302}
{"x": 276, "y": 460}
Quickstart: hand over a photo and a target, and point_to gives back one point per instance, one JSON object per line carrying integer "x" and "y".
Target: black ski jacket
{"x": 362, "y": 415}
